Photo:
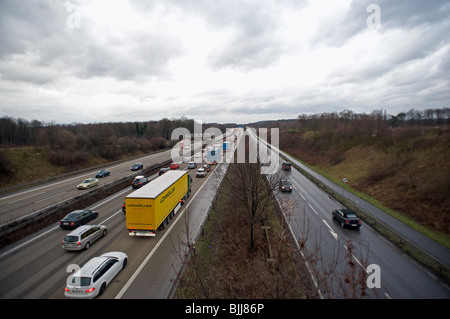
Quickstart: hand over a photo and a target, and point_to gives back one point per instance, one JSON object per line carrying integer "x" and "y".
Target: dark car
{"x": 286, "y": 166}
{"x": 103, "y": 173}
{"x": 347, "y": 218}
{"x": 78, "y": 218}
{"x": 137, "y": 166}
{"x": 207, "y": 167}
{"x": 285, "y": 186}
{"x": 163, "y": 170}
{"x": 139, "y": 181}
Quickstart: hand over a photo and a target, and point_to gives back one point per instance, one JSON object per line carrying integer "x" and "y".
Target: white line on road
{"x": 330, "y": 230}
{"x": 43, "y": 200}
{"x": 21, "y": 199}
{"x": 314, "y": 210}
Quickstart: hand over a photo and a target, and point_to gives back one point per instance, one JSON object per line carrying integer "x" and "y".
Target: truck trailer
{"x": 213, "y": 155}
{"x": 151, "y": 207}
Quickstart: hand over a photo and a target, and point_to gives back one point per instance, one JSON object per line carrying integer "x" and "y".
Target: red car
{"x": 174, "y": 165}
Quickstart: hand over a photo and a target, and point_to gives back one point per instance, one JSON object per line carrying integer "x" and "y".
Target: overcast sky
{"x": 220, "y": 60}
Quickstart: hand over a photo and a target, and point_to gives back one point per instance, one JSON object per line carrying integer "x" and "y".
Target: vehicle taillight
{"x": 71, "y": 224}
{"x": 90, "y": 290}
{"x": 66, "y": 289}
{"x": 79, "y": 243}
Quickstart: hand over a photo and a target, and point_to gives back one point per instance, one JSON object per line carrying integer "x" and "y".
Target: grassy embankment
{"x": 404, "y": 171}
{"x": 28, "y": 164}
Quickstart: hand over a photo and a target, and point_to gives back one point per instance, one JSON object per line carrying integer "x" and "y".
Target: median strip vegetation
{"x": 244, "y": 250}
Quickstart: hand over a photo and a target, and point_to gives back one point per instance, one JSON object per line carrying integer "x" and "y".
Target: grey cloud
{"x": 403, "y": 14}
{"x": 40, "y": 28}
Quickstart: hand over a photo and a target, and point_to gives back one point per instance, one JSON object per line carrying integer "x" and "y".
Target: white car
{"x": 91, "y": 280}
{"x": 201, "y": 172}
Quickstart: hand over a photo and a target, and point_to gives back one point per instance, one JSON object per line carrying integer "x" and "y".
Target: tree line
{"x": 436, "y": 116}
{"x": 20, "y": 132}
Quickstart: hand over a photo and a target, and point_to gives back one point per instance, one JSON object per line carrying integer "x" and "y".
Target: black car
{"x": 164, "y": 170}
{"x": 103, "y": 173}
{"x": 137, "y": 166}
{"x": 347, "y": 218}
{"x": 286, "y": 166}
{"x": 78, "y": 218}
{"x": 285, "y": 186}
{"x": 139, "y": 181}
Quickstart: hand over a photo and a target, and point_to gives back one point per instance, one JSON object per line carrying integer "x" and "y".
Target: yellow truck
{"x": 152, "y": 206}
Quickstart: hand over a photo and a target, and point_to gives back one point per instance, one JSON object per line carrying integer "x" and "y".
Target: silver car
{"x": 91, "y": 280}
{"x": 83, "y": 237}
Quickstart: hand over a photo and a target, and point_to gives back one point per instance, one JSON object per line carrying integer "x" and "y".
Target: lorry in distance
{"x": 213, "y": 155}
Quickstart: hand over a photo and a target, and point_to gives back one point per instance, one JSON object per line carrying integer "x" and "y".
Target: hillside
{"x": 406, "y": 168}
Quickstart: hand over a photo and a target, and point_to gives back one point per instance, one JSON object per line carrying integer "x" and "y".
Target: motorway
{"x": 35, "y": 267}
{"x": 308, "y": 213}
{"x": 21, "y": 203}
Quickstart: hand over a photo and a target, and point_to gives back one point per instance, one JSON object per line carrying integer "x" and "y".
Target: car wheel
{"x": 104, "y": 233}
{"x": 125, "y": 261}
{"x": 102, "y": 289}
{"x": 342, "y": 224}
{"x": 88, "y": 244}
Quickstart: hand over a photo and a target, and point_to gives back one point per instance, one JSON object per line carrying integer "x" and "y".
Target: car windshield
{"x": 86, "y": 181}
{"x": 351, "y": 215}
{"x": 72, "y": 216}
{"x": 287, "y": 183}
{"x": 71, "y": 239}
{"x": 81, "y": 281}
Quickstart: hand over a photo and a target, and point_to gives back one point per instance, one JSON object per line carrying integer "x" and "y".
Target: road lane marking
{"x": 330, "y": 229}
{"x": 43, "y": 200}
{"x": 314, "y": 210}
{"x": 21, "y": 199}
